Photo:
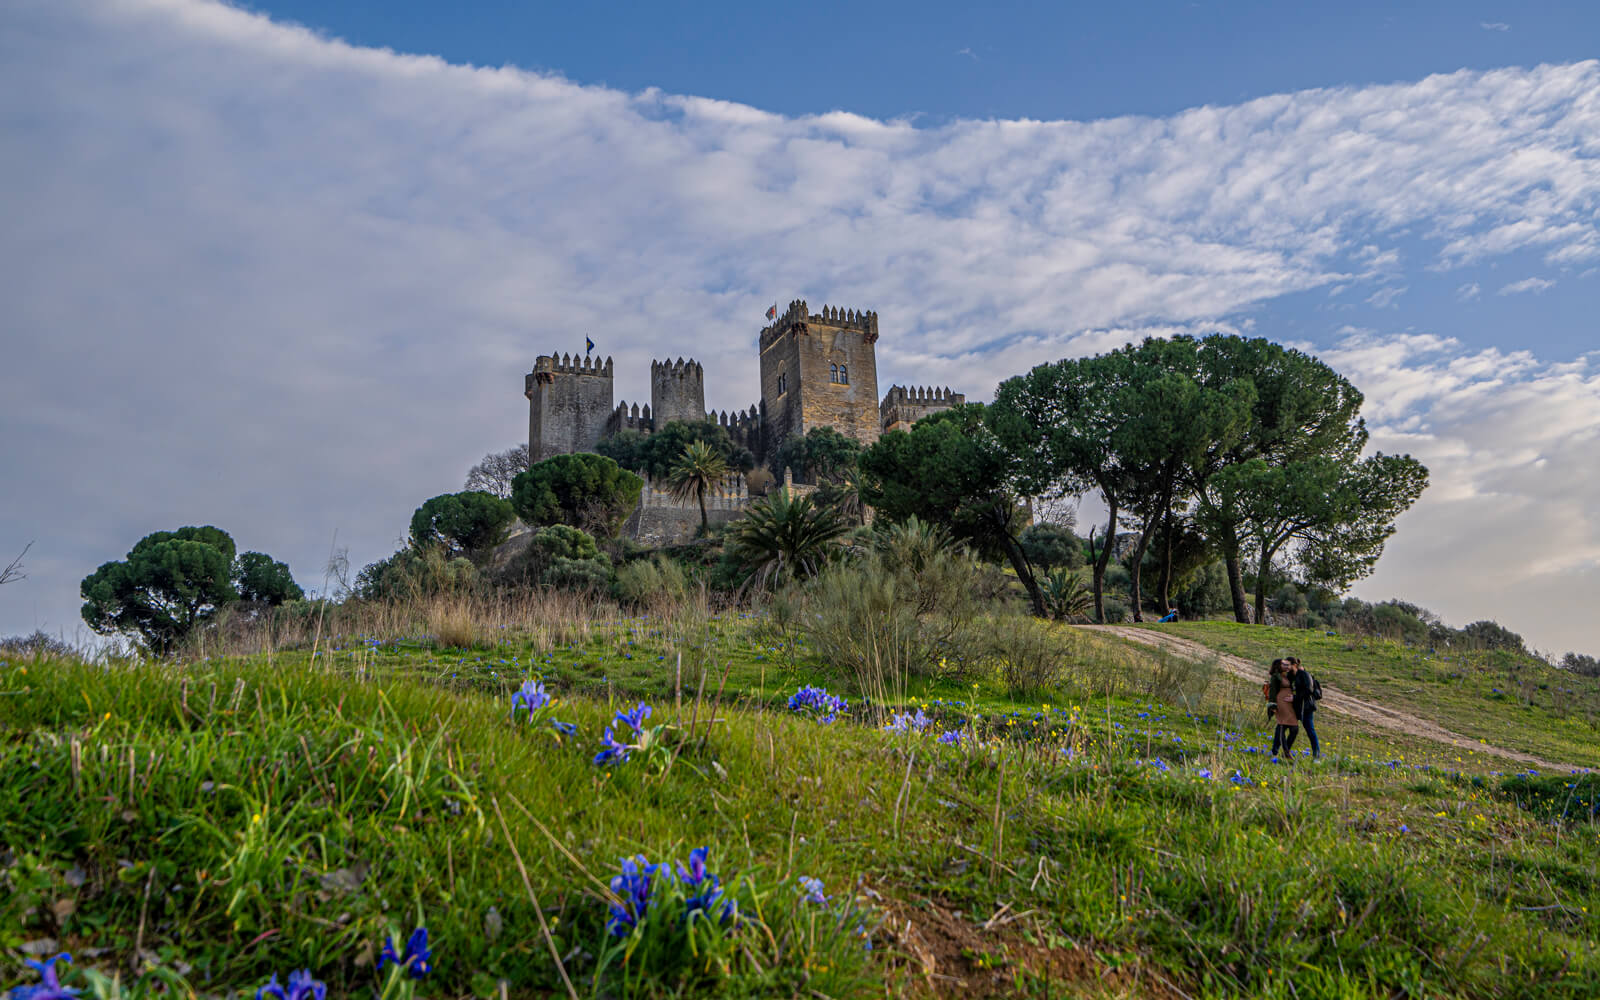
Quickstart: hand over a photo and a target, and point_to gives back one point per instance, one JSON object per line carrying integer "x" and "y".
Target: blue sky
{"x": 281, "y": 268}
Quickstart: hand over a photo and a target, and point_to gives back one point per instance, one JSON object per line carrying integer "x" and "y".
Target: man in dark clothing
{"x": 1305, "y": 702}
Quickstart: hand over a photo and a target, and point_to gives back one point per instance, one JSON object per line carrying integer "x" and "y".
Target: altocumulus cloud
{"x": 265, "y": 279}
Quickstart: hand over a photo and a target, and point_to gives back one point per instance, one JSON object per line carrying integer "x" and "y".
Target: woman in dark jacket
{"x": 1280, "y": 698}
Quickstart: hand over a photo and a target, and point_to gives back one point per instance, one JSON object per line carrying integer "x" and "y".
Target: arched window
{"x": 833, "y": 373}
{"x": 844, "y": 374}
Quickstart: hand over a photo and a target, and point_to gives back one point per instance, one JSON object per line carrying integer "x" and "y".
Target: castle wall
{"x": 569, "y": 405}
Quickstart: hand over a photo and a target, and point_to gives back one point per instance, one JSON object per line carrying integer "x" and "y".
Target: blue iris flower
{"x": 907, "y": 722}
{"x": 565, "y": 728}
{"x": 613, "y": 751}
{"x": 813, "y": 890}
{"x": 531, "y": 696}
{"x": 951, "y": 738}
{"x": 417, "y": 959}
{"x": 302, "y": 986}
{"x": 49, "y": 987}
{"x": 635, "y": 718}
{"x": 632, "y": 888}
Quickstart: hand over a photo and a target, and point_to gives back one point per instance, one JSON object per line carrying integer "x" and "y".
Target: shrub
{"x": 39, "y": 644}
{"x": 411, "y": 573}
{"x": 1027, "y": 654}
{"x": 569, "y": 559}
{"x": 1116, "y": 611}
{"x": 650, "y": 582}
{"x": 1118, "y": 580}
{"x": 785, "y": 538}
{"x": 1051, "y": 546}
{"x": 1065, "y": 595}
{"x": 1396, "y": 622}
{"x": 912, "y": 606}
{"x": 1204, "y": 592}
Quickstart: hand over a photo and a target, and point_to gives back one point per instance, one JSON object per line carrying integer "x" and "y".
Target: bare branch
{"x": 13, "y": 571}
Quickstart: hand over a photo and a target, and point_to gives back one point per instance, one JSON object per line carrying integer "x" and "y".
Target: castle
{"x": 817, "y": 370}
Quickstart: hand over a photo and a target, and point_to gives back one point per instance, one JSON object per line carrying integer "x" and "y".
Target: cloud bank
{"x": 268, "y": 280}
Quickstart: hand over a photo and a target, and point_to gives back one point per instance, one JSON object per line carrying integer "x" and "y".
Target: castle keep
{"x": 817, "y": 370}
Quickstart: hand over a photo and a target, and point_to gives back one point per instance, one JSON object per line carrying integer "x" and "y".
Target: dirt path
{"x": 1366, "y": 711}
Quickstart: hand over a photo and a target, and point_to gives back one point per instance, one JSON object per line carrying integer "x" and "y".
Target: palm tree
{"x": 699, "y": 468}
{"x": 782, "y": 535}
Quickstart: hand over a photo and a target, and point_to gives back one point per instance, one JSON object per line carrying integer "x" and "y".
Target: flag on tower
{"x": 588, "y": 345}
{"x": 773, "y": 312}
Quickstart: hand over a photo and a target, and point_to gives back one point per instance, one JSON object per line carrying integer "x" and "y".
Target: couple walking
{"x": 1292, "y": 696}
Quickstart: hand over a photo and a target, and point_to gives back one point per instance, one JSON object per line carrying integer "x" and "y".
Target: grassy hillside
{"x": 1507, "y": 699}
{"x": 197, "y": 828}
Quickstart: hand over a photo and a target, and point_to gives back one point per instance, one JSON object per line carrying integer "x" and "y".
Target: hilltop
{"x": 202, "y": 825}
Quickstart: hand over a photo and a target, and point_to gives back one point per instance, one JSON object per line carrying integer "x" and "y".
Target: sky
{"x": 281, "y": 268}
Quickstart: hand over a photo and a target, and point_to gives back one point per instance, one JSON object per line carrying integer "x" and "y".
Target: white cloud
{"x": 1509, "y": 527}
{"x": 1534, "y": 285}
{"x": 1468, "y": 291}
{"x": 263, "y": 278}
{"x": 1385, "y": 297}
{"x": 1494, "y": 26}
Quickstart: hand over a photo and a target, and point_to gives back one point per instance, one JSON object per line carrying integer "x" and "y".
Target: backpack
{"x": 1316, "y": 688}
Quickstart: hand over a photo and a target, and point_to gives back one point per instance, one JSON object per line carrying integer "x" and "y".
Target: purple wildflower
{"x": 49, "y": 987}
{"x": 951, "y": 738}
{"x": 613, "y": 751}
{"x": 906, "y": 722}
{"x": 530, "y": 696}
{"x": 634, "y": 719}
{"x": 812, "y": 887}
{"x": 632, "y": 888}
{"x": 417, "y": 959}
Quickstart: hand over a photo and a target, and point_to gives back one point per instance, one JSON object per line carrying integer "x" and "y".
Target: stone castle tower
{"x": 569, "y": 402}
{"x": 817, "y": 370}
{"x": 820, "y": 370}
{"x": 677, "y": 391}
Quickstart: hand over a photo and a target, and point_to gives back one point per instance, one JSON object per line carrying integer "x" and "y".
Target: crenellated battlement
{"x": 676, "y": 369}
{"x": 628, "y": 417}
{"x": 799, "y": 319}
{"x": 903, "y": 405}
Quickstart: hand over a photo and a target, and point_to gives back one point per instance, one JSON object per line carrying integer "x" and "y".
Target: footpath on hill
{"x": 1366, "y": 711}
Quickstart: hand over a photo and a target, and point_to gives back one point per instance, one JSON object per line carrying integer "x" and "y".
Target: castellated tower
{"x": 903, "y": 406}
{"x": 569, "y": 402}
{"x": 677, "y": 391}
{"x": 820, "y": 370}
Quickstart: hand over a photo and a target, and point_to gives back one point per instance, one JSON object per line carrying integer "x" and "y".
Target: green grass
{"x": 219, "y": 821}
{"x": 1509, "y": 700}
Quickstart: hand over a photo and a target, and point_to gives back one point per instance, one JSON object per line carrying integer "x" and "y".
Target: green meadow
{"x": 192, "y": 829}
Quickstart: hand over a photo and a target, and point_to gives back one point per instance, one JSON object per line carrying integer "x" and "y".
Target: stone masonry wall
{"x": 808, "y": 349}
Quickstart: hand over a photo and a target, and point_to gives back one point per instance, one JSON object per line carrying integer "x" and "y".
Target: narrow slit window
{"x": 833, "y": 373}
{"x": 844, "y": 374}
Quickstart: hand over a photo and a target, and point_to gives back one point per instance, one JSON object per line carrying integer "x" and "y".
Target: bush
{"x": 1204, "y": 592}
{"x": 1118, "y": 580}
{"x": 1065, "y": 595}
{"x": 569, "y": 559}
{"x": 39, "y": 644}
{"x": 1027, "y": 654}
{"x": 912, "y": 606}
{"x": 1396, "y": 622}
{"x": 1051, "y": 546}
{"x": 1116, "y": 611}
{"x": 411, "y": 573}
{"x": 646, "y": 583}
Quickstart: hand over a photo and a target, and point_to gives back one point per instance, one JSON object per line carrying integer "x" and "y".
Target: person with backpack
{"x": 1279, "y": 690}
{"x": 1307, "y": 692}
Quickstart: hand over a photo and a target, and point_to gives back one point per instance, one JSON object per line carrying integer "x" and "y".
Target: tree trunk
{"x": 1164, "y": 585}
{"x": 1138, "y": 565}
{"x": 1101, "y": 563}
{"x": 1261, "y": 582}
{"x": 1000, "y": 510}
{"x": 705, "y": 523}
{"x": 1230, "y": 556}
